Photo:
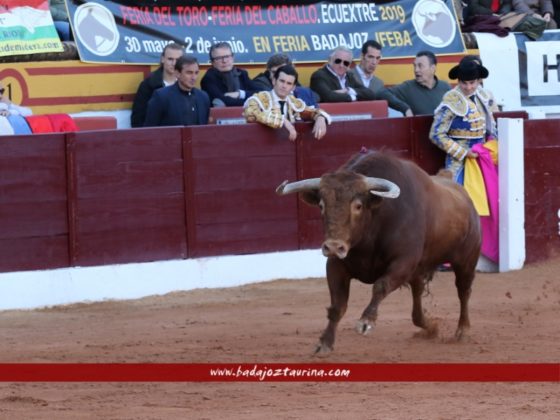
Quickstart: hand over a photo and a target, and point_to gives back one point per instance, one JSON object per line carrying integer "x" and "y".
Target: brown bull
{"x": 387, "y": 223}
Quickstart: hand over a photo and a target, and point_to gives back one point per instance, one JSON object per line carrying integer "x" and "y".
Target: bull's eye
{"x": 321, "y": 206}
{"x": 358, "y": 206}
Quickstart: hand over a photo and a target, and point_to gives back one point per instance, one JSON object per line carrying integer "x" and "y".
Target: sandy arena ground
{"x": 514, "y": 317}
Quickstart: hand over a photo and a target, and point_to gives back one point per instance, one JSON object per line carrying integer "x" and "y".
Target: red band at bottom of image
{"x": 280, "y": 372}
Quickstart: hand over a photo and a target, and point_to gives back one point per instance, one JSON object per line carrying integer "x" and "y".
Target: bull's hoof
{"x": 430, "y": 332}
{"x": 322, "y": 349}
{"x": 461, "y": 333}
{"x": 363, "y": 326}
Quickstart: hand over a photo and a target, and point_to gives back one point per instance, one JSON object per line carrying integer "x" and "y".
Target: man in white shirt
{"x": 364, "y": 72}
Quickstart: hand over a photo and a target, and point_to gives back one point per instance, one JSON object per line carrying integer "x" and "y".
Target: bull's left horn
{"x": 298, "y": 186}
{"x": 382, "y": 187}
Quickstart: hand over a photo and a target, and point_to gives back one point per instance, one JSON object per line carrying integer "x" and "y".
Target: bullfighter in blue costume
{"x": 463, "y": 118}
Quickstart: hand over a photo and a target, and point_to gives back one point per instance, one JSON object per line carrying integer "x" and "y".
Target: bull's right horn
{"x": 388, "y": 189}
{"x": 298, "y": 186}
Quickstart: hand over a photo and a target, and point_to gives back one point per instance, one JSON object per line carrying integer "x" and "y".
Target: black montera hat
{"x": 468, "y": 70}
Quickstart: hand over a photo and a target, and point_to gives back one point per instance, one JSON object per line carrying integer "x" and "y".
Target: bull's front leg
{"x": 384, "y": 285}
{"x": 339, "y": 287}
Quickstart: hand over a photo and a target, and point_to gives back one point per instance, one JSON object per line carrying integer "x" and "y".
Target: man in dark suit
{"x": 226, "y": 84}
{"x": 181, "y": 103}
{"x": 334, "y": 83}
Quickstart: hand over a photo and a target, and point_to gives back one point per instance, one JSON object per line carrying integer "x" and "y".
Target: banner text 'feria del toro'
{"x": 136, "y": 32}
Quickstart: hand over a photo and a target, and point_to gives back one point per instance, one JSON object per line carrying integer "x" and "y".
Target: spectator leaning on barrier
{"x": 364, "y": 72}
{"x": 424, "y": 93}
{"x": 279, "y": 108}
{"x": 181, "y": 103}
{"x": 264, "y": 80}
{"x": 165, "y": 75}
{"x": 226, "y": 84}
{"x": 334, "y": 83}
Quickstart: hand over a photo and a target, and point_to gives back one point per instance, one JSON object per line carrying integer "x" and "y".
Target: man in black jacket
{"x": 226, "y": 84}
{"x": 180, "y": 103}
{"x": 163, "y": 76}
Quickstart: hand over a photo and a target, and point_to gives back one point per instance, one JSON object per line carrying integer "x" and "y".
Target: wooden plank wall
{"x": 33, "y": 202}
{"x": 126, "y": 199}
{"x": 233, "y": 208}
{"x": 542, "y": 189}
{"x": 117, "y": 196}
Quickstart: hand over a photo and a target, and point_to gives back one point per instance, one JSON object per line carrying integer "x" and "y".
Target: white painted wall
{"x": 33, "y": 289}
{"x": 512, "y": 193}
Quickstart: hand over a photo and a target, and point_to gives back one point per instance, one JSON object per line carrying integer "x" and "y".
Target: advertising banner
{"x": 531, "y": 78}
{"x": 136, "y": 32}
{"x": 26, "y": 27}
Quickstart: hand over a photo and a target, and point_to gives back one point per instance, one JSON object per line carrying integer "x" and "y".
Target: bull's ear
{"x": 311, "y": 197}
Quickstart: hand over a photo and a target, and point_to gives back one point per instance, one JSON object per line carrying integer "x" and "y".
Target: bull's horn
{"x": 303, "y": 185}
{"x": 388, "y": 189}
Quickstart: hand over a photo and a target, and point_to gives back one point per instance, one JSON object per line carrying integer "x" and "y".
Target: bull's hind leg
{"x": 339, "y": 288}
{"x": 463, "y": 282}
{"x": 419, "y": 318}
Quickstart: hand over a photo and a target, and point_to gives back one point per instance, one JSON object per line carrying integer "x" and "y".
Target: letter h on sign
{"x": 547, "y": 68}
{"x": 543, "y": 68}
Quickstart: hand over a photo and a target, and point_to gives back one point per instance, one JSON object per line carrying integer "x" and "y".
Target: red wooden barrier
{"x": 373, "y": 109}
{"x": 89, "y": 198}
{"x": 95, "y": 123}
{"x": 233, "y": 208}
{"x": 226, "y": 115}
{"x": 353, "y": 110}
{"x": 542, "y": 188}
{"x": 127, "y": 199}
{"x": 33, "y": 202}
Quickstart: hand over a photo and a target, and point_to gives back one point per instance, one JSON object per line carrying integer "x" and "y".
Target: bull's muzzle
{"x": 335, "y": 248}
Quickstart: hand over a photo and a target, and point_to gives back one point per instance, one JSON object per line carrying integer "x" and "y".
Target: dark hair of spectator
{"x": 172, "y": 46}
{"x": 214, "y": 47}
{"x": 185, "y": 60}
{"x": 278, "y": 60}
{"x": 288, "y": 70}
{"x": 371, "y": 44}
{"x": 431, "y": 56}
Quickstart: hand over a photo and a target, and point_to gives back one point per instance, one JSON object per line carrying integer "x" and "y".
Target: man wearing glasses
{"x": 334, "y": 83}
{"x": 226, "y": 84}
